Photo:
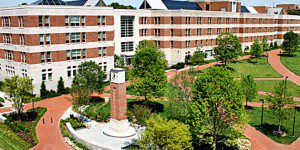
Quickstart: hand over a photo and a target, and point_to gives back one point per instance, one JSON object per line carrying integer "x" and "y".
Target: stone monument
{"x": 118, "y": 125}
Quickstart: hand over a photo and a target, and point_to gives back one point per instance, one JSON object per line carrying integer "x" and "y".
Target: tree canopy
{"x": 163, "y": 134}
{"x": 217, "y": 111}
{"x": 18, "y": 89}
{"x": 228, "y": 47}
{"x": 256, "y": 49}
{"x": 249, "y": 88}
{"x": 148, "y": 73}
{"x": 116, "y": 5}
{"x": 197, "y": 58}
{"x": 291, "y": 42}
{"x": 265, "y": 44}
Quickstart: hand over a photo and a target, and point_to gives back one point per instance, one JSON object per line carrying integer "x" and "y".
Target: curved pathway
{"x": 48, "y": 134}
{"x": 274, "y": 61}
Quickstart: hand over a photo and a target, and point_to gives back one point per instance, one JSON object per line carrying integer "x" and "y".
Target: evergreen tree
{"x": 61, "y": 86}
{"x": 43, "y": 90}
{"x": 148, "y": 76}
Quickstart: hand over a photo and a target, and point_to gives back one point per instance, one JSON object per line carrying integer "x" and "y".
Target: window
{"x": 199, "y": 20}
{"x": 187, "y": 20}
{"x": 75, "y": 20}
{"x": 127, "y": 26}
{"x": 126, "y": 46}
{"x": 201, "y": 43}
{"x": 172, "y": 44}
{"x": 209, "y": 31}
{"x": 209, "y": 21}
{"x": 247, "y": 30}
{"x": 156, "y": 32}
{"x": 196, "y": 43}
{"x": 50, "y": 76}
{"x": 44, "y": 77}
{"x": 75, "y": 37}
{"x": 206, "y": 43}
{"x": 101, "y": 20}
{"x": 48, "y": 39}
{"x": 235, "y": 20}
{"x": 23, "y": 57}
{"x": 102, "y": 36}
{"x": 247, "y": 20}
{"x": 207, "y": 7}
{"x": 82, "y": 21}
{"x": 48, "y": 56}
{"x": 260, "y": 20}
{"x": 8, "y": 39}
{"x": 157, "y": 43}
{"x": 43, "y": 59}
{"x": 219, "y": 20}
{"x": 21, "y": 21}
{"x": 144, "y": 32}
{"x": 219, "y": 30}
{"x": 211, "y": 42}
{"x": 47, "y": 21}
{"x": 254, "y": 20}
{"x": 42, "y": 39}
{"x": 275, "y": 29}
{"x": 172, "y": 32}
{"x": 102, "y": 52}
{"x": 9, "y": 55}
{"x": 6, "y": 22}
{"x": 76, "y": 54}
{"x": 67, "y": 20}
{"x": 157, "y": 20}
{"x": 199, "y": 31}
{"x": 227, "y": 20}
{"x": 84, "y": 53}
{"x": 67, "y": 37}
{"x": 144, "y": 20}
{"x": 187, "y": 44}
{"x": 41, "y": 21}
{"x": 83, "y": 37}
{"x": 68, "y": 55}
{"x": 187, "y": 32}
{"x": 227, "y": 29}
{"x": 22, "y": 41}
{"x": 172, "y": 20}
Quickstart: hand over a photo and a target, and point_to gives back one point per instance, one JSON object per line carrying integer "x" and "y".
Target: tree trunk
{"x": 279, "y": 126}
{"x": 215, "y": 133}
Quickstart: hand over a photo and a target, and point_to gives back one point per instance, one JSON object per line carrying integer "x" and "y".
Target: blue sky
{"x": 136, "y": 3}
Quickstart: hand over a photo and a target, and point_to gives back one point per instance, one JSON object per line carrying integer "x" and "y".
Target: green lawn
{"x": 292, "y": 63}
{"x": 262, "y": 69}
{"x": 10, "y": 141}
{"x": 271, "y": 124}
{"x": 268, "y": 86}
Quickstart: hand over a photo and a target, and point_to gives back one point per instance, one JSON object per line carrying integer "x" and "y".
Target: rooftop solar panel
{"x": 175, "y": 5}
{"x": 76, "y": 3}
{"x": 49, "y": 2}
{"x": 244, "y": 9}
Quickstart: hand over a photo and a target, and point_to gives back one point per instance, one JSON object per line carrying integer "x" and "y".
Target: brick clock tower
{"x": 118, "y": 125}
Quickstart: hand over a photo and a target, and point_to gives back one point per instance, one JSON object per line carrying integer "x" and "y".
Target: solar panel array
{"x": 244, "y": 9}
{"x": 76, "y": 3}
{"x": 49, "y": 2}
{"x": 176, "y": 5}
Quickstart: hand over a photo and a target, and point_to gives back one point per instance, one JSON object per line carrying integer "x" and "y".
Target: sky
{"x": 136, "y": 3}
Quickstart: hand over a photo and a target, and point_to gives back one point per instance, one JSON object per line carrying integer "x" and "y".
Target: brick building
{"x": 46, "y": 41}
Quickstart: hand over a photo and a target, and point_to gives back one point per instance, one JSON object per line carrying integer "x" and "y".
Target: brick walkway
{"x": 274, "y": 61}
{"x": 48, "y": 134}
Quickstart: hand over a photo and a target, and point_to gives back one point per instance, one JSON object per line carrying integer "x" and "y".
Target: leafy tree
{"x": 197, "y": 58}
{"x": 61, "y": 86}
{"x": 275, "y": 45}
{"x": 280, "y": 98}
{"x": 88, "y": 79}
{"x": 163, "y": 134}
{"x": 265, "y": 44}
{"x": 291, "y": 42}
{"x": 293, "y": 12}
{"x": 228, "y": 47}
{"x": 256, "y": 49}
{"x": 119, "y": 62}
{"x": 116, "y": 5}
{"x": 249, "y": 88}
{"x": 17, "y": 88}
{"x": 139, "y": 114}
{"x": 148, "y": 73}
{"x": 43, "y": 90}
{"x": 217, "y": 112}
{"x": 271, "y": 45}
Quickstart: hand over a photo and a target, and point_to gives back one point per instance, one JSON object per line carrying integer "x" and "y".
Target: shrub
{"x": 1, "y": 100}
{"x": 178, "y": 66}
{"x": 75, "y": 122}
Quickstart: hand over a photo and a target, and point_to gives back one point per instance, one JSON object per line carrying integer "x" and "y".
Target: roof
{"x": 170, "y": 5}
{"x": 276, "y": 11}
{"x": 49, "y": 2}
{"x": 76, "y": 2}
{"x": 248, "y": 9}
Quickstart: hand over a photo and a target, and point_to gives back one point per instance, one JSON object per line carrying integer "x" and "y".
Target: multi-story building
{"x": 46, "y": 41}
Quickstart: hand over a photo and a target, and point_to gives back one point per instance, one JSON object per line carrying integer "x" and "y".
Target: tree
{"x": 249, "y": 88}
{"x": 139, "y": 114}
{"x": 88, "y": 79}
{"x": 275, "y": 45}
{"x": 43, "y": 90}
{"x": 217, "y": 112}
{"x": 163, "y": 134}
{"x": 256, "y": 49}
{"x": 265, "y": 44}
{"x": 277, "y": 102}
{"x": 17, "y": 88}
{"x": 61, "y": 86}
{"x": 197, "y": 58}
{"x": 119, "y": 62}
{"x": 148, "y": 73}
{"x": 228, "y": 47}
{"x": 116, "y": 5}
{"x": 271, "y": 45}
{"x": 293, "y": 12}
{"x": 291, "y": 42}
